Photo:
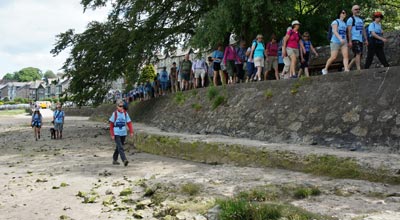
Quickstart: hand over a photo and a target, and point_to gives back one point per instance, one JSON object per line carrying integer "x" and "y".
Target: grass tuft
{"x": 190, "y": 189}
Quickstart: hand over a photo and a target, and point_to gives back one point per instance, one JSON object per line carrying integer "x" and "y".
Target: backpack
{"x": 330, "y": 32}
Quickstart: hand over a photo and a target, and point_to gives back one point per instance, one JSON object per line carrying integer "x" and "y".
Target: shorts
{"x": 230, "y": 67}
{"x": 291, "y": 51}
{"x": 173, "y": 82}
{"x": 36, "y": 124}
{"x": 337, "y": 46}
{"x": 185, "y": 76}
{"x": 259, "y": 61}
{"x": 306, "y": 60}
{"x": 272, "y": 61}
{"x": 199, "y": 73}
{"x": 357, "y": 47}
{"x": 217, "y": 66}
{"x": 58, "y": 126}
{"x": 164, "y": 85}
{"x": 286, "y": 61}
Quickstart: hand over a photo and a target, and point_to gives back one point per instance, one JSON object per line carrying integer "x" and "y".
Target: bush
{"x": 238, "y": 209}
{"x": 212, "y": 92}
{"x": 180, "y": 98}
{"x": 218, "y": 101}
{"x": 190, "y": 188}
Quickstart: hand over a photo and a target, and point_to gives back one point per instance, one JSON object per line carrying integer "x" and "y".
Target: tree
{"x": 135, "y": 30}
{"x": 28, "y": 74}
{"x": 148, "y": 73}
{"x": 9, "y": 76}
{"x": 49, "y": 74}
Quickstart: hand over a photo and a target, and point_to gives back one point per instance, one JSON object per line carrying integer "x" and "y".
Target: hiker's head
{"x": 259, "y": 37}
{"x": 120, "y": 103}
{"x": 37, "y": 110}
{"x": 377, "y": 15}
{"x": 341, "y": 14}
{"x": 355, "y": 9}
{"x": 306, "y": 36}
{"x": 296, "y": 24}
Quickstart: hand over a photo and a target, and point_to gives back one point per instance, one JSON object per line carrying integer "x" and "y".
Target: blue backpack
{"x": 330, "y": 32}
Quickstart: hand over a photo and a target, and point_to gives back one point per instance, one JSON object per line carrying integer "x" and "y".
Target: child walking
{"x": 305, "y": 55}
{"x": 36, "y": 123}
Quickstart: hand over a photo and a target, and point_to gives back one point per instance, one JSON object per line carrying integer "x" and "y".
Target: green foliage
{"x": 196, "y": 106}
{"x": 268, "y": 94}
{"x": 49, "y": 74}
{"x": 180, "y": 98}
{"x": 9, "y": 76}
{"x": 236, "y": 209}
{"x": 190, "y": 189}
{"x": 125, "y": 192}
{"x": 147, "y": 73}
{"x": 28, "y": 74}
{"x": 212, "y": 92}
{"x": 218, "y": 101}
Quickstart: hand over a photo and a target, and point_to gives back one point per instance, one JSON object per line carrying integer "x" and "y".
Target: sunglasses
{"x": 356, "y": 9}
{"x": 120, "y": 106}
{"x": 343, "y": 12}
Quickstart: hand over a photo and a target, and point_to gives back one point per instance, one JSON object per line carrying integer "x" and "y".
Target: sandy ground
{"x": 40, "y": 179}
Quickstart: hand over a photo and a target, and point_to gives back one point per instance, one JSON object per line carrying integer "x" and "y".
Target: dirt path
{"x": 41, "y": 179}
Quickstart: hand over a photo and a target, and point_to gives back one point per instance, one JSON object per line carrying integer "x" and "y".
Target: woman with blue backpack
{"x": 36, "y": 123}
{"x": 338, "y": 42}
{"x": 376, "y": 41}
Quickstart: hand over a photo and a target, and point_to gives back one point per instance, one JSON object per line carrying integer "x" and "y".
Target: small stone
{"x": 359, "y": 131}
{"x": 386, "y": 115}
{"x": 351, "y": 117}
{"x": 395, "y": 131}
{"x": 393, "y": 199}
{"x": 295, "y": 126}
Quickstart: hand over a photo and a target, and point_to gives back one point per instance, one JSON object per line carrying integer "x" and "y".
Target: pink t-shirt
{"x": 272, "y": 49}
{"x": 230, "y": 54}
{"x": 293, "y": 41}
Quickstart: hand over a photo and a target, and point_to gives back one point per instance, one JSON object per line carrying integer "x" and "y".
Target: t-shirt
{"x": 357, "y": 29}
{"x": 293, "y": 41}
{"x": 164, "y": 76}
{"x": 120, "y": 123}
{"x": 241, "y": 52}
{"x": 272, "y": 49}
{"x": 58, "y": 116}
{"x": 307, "y": 45}
{"x": 259, "y": 49}
{"x": 375, "y": 27}
{"x": 186, "y": 66}
{"x": 217, "y": 54}
{"x": 342, "y": 30}
{"x": 247, "y": 58}
{"x": 36, "y": 118}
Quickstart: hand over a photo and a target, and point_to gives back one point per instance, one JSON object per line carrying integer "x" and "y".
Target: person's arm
{"x": 365, "y": 36}
{"x": 375, "y": 35}
{"x": 302, "y": 47}
{"x": 336, "y": 33}
{"x": 253, "y": 47}
{"x": 225, "y": 54}
{"x": 130, "y": 127}
{"x": 313, "y": 50}
{"x": 349, "y": 35}
{"x": 285, "y": 39}
{"x": 112, "y": 130}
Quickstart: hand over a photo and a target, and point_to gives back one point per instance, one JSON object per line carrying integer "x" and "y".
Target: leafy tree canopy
{"x": 28, "y": 74}
{"x": 135, "y": 30}
{"x": 49, "y": 74}
{"x": 147, "y": 73}
{"x": 8, "y": 76}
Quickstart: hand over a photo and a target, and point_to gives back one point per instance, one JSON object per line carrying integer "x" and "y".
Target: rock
{"x": 186, "y": 216}
{"x": 398, "y": 120}
{"x": 295, "y": 126}
{"x": 384, "y": 116}
{"x": 359, "y": 131}
{"x": 395, "y": 131}
{"x": 351, "y": 116}
{"x": 213, "y": 213}
{"x": 394, "y": 199}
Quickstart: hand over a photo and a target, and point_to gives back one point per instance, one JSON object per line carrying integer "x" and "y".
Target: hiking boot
{"x": 116, "y": 162}
{"x": 324, "y": 71}
{"x": 126, "y": 163}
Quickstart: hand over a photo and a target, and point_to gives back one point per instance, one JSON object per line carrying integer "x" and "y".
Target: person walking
{"x": 174, "y": 77}
{"x": 376, "y": 41}
{"x": 217, "y": 57}
{"x": 356, "y": 35}
{"x": 241, "y": 52}
{"x": 58, "y": 119}
{"x": 230, "y": 56}
{"x": 338, "y": 42}
{"x": 119, "y": 120}
{"x": 36, "y": 123}
{"x": 291, "y": 45}
{"x": 257, "y": 55}
{"x": 199, "y": 68}
{"x": 185, "y": 70}
{"x": 272, "y": 57}
{"x": 305, "y": 55}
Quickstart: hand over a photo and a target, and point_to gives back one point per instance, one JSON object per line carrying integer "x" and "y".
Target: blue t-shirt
{"x": 120, "y": 123}
{"x": 36, "y": 118}
{"x": 259, "y": 50}
{"x": 218, "y": 54}
{"x": 375, "y": 27}
{"x": 307, "y": 45}
{"x": 357, "y": 29}
{"x": 58, "y": 116}
{"x": 164, "y": 76}
{"x": 342, "y": 30}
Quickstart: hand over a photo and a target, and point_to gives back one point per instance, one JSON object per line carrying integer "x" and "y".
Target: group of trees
{"x": 29, "y": 74}
{"x": 135, "y": 30}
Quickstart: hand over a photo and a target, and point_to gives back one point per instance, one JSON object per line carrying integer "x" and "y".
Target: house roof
{"x": 36, "y": 84}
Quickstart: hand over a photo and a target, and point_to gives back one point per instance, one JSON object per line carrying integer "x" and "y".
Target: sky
{"x": 28, "y": 30}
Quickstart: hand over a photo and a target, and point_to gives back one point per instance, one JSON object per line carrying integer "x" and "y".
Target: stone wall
{"x": 353, "y": 110}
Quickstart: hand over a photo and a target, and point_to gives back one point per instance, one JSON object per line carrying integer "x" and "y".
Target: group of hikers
{"x": 229, "y": 66}
{"x": 58, "y": 122}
